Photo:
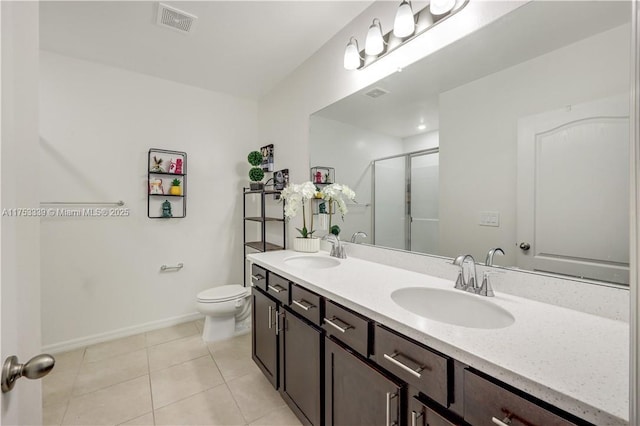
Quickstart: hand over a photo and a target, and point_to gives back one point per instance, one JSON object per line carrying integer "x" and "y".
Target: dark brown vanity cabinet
{"x": 301, "y": 367}
{"x": 264, "y": 338}
{"x": 358, "y": 393}
{"x": 335, "y": 367}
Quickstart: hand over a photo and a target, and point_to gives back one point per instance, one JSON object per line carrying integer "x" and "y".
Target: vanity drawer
{"x": 258, "y": 277}
{"x": 426, "y": 370}
{"x": 348, "y": 327}
{"x": 306, "y": 304}
{"x": 278, "y": 287}
{"x": 485, "y": 401}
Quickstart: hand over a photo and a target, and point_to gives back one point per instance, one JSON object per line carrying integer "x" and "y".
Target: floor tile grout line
{"x": 73, "y": 385}
{"x": 153, "y": 409}
{"x": 172, "y": 339}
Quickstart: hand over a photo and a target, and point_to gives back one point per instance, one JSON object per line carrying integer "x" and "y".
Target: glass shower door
{"x": 390, "y": 203}
{"x": 424, "y": 228}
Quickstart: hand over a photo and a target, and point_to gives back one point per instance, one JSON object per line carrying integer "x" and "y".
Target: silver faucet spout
{"x": 337, "y": 249}
{"x": 355, "y": 236}
{"x": 489, "y": 260}
{"x": 470, "y": 284}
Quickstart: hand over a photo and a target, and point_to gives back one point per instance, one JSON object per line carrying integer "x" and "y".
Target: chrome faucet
{"x": 355, "y": 236}
{"x": 489, "y": 260}
{"x": 337, "y": 249}
{"x": 470, "y": 285}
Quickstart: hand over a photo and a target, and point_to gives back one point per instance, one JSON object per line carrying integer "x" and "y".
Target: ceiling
{"x": 243, "y": 48}
{"x": 528, "y": 32}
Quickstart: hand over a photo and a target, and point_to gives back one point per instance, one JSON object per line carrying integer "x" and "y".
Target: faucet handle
{"x": 486, "y": 289}
{"x": 460, "y": 282}
{"x": 472, "y": 287}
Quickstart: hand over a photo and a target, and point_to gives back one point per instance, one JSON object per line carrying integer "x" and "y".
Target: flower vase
{"x": 306, "y": 245}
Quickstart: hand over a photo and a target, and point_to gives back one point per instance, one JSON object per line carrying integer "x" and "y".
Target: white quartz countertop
{"x": 575, "y": 361}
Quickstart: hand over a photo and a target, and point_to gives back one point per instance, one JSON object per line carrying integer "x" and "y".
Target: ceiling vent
{"x": 176, "y": 19}
{"x": 376, "y": 92}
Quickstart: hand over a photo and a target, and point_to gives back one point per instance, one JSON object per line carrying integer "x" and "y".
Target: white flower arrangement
{"x": 295, "y": 196}
{"x": 337, "y": 194}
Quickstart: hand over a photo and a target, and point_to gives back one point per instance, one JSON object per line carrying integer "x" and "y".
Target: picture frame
{"x": 267, "y": 158}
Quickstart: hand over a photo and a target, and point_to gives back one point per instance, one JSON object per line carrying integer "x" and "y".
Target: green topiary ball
{"x": 256, "y": 174}
{"x": 255, "y": 158}
{"x": 335, "y": 230}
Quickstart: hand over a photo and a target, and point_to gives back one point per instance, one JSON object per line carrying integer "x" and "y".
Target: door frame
{"x": 634, "y": 276}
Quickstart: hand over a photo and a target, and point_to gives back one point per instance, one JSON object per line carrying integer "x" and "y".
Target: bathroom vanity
{"x": 330, "y": 337}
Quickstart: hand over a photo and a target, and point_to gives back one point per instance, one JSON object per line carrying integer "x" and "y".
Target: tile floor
{"x": 164, "y": 377}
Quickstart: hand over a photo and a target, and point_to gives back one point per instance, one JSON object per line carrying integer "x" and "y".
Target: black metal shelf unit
{"x": 262, "y": 245}
{"x": 172, "y": 160}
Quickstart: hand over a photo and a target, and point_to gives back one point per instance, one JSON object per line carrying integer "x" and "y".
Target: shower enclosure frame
{"x": 407, "y": 193}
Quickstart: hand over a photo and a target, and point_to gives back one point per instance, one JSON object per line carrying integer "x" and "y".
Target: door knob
{"x": 36, "y": 368}
{"x": 525, "y": 246}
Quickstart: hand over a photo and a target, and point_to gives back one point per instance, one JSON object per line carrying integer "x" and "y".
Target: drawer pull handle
{"x": 504, "y": 422}
{"x": 390, "y": 396}
{"x": 336, "y": 326}
{"x": 276, "y": 288}
{"x": 414, "y": 418}
{"x": 303, "y": 304}
{"x": 257, "y": 277}
{"x": 414, "y": 372}
{"x": 270, "y": 314}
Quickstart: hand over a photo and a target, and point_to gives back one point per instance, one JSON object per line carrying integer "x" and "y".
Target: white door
{"x": 19, "y": 235}
{"x": 573, "y": 191}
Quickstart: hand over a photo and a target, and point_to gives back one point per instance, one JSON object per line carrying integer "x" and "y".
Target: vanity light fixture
{"x": 374, "y": 44}
{"x": 404, "y": 24}
{"x": 440, "y": 7}
{"x": 421, "y": 126}
{"x": 407, "y": 26}
{"x": 352, "y": 58}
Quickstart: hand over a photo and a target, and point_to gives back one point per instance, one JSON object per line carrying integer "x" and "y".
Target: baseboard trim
{"x": 116, "y": 334}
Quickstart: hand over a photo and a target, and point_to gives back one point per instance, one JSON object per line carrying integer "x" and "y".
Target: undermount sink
{"x": 453, "y": 307}
{"x": 312, "y": 262}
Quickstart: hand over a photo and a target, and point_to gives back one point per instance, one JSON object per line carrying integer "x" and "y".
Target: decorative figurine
{"x": 155, "y": 186}
{"x": 166, "y": 209}
{"x": 178, "y": 166}
{"x": 157, "y": 165}
{"x": 318, "y": 177}
{"x": 172, "y": 166}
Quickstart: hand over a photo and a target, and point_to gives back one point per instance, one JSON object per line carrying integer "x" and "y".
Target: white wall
{"x": 478, "y": 134}
{"x": 421, "y": 141}
{"x": 358, "y": 147}
{"x": 100, "y": 276}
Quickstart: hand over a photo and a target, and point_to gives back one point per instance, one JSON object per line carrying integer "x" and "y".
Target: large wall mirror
{"x": 516, "y": 137}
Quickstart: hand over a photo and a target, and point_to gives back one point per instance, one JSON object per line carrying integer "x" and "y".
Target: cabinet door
{"x": 264, "y": 335}
{"x": 358, "y": 394}
{"x": 420, "y": 414}
{"x": 301, "y": 367}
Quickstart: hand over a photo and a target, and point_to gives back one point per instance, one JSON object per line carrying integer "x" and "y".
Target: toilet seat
{"x": 223, "y": 293}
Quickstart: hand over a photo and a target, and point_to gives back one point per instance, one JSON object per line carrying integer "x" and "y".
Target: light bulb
{"x": 352, "y": 55}
{"x": 440, "y": 7}
{"x": 374, "y": 44}
{"x": 404, "y": 25}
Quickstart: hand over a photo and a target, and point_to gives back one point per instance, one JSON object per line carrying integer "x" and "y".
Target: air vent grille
{"x": 376, "y": 92}
{"x": 178, "y": 20}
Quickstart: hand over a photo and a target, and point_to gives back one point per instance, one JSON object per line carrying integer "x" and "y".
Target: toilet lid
{"x": 223, "y": 293}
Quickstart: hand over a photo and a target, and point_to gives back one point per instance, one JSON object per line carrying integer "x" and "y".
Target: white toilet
{"x": 227, "y": 311}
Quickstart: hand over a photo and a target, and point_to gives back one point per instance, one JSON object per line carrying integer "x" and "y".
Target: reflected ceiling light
{"x": 404, "y": 29}
{"x": 374, "y": 44}
{"x": 352, "y": 58}
{"x": 404, "y": 25}
{"x": 422, "y": 126}
{"x": 440, "y": 7}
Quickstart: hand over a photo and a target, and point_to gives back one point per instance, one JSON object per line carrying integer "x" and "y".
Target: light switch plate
{"x": 489, "y": 218}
